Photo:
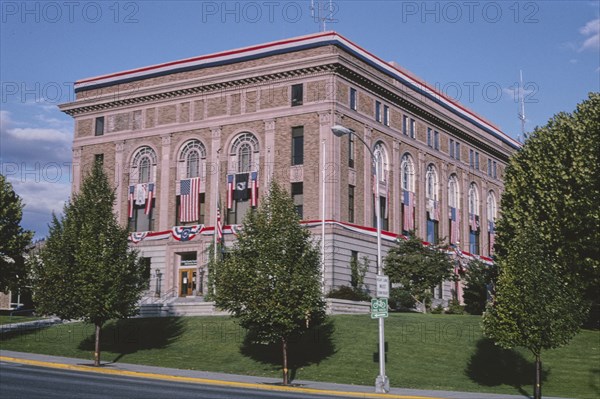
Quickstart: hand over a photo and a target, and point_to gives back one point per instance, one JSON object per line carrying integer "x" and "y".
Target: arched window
{"x": 190, "y": 157}
{"x": 491, "y": 207}
{"x": 407, "y": 173}
{"x": 473, "y": 200}
{"x": 244, "y": 151}
{"x": 381, "y": 160}
{"x": 453, "y": 192}
{"x": 143, "y": 165}
{"x": 431, "y": 180}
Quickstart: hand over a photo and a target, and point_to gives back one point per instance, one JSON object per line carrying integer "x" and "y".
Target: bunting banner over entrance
{"x": 187, "y": 233}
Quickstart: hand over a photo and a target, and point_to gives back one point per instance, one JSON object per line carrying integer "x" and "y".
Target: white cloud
{"x": 591, "y": 29}
{"x": 26, "y": 142}
{"x": 42, "y": 197}
{"x": 39, "y": 134}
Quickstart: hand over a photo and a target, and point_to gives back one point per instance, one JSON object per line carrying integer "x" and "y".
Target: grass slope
{"x": 424, "y": 351}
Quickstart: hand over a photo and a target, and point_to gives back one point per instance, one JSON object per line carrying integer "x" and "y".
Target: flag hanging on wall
{"x": 408, "y": 210}
{"x": 492, "y": 233}
{"x": 131, "y": 198}
{"x": 473, "y": 222}
{"x": 150, "y": 196}
{"x": 219, "y": 225}
{"x": 241, "y": 187}
{"x": 229, "y": 191}
{"x": 454, "y": 225}
{"x": 254, "y": 189}
{"x": 188, "y": 199}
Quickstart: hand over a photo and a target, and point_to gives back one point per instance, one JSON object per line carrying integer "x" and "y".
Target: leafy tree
{"x": 553, "y": 182}
{"x": 547, "y": 239}
{"x": 13, "y": 238}
{"x": 418, "y": 268}
{"x": 537, "y": 305}
{"x": 479, "y": 278}
{"x": 86, "y": 270}
{"x": 271, "y": 279}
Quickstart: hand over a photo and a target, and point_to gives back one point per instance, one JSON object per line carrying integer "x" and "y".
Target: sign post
{"x": 383, "y": 287}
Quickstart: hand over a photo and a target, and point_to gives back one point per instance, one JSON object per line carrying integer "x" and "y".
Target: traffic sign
{"x": 383, "y": 287}
{"x": 379, "y": 308}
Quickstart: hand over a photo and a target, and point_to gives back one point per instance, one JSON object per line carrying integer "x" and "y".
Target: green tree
{"x": 553, "y": 182}
{"x": 537, "y": 304}
{"x": 271, "y": 279}
{"x": 86, "y": 270}
{"x": 479, "y": 278}
{"x": 418, "y": 268}
{"x": 13, "y": 238}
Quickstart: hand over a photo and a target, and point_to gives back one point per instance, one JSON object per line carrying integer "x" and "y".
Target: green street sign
{"x": 379, "y": 308}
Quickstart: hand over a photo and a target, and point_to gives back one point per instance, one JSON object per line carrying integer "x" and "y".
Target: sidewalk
{"x": 202, "y": 377}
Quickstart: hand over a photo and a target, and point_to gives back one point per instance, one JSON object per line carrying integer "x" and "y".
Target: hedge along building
{"x": 181, "y": 137}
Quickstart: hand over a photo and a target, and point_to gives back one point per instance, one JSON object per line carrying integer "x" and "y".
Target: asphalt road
{"x": 24, "y": 381}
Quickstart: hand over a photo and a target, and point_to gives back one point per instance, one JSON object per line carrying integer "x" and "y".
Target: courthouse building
{"x": 179, "y": 138}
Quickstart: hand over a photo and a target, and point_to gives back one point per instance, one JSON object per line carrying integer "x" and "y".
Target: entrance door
{"x": 187, "y": 282}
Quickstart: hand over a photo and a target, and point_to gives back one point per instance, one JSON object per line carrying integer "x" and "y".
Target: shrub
{"x": 348, "y": 293}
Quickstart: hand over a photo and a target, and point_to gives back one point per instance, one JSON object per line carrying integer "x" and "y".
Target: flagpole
{"x": 323, "y": 223}
{"x": 217, "y": 210}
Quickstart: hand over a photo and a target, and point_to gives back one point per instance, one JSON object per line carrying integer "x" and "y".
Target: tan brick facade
{"x": 217, "y": 104}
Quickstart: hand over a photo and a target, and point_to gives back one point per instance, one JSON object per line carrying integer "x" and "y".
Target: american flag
{"x": 219, "y": 225}
{"x": 408, "y": 210}
{"x": 454, "y": 225}
{"x": 150, "y": 191}
{"x": 492, "y": 233}
{"x": 473, "y": 222}
{"x": 229, "y": 191}
{"x": 189, "y": 191}
{"x": 254, "y": 189}
{"x": 131, "y": 200}
{"x": 436, "y": 210}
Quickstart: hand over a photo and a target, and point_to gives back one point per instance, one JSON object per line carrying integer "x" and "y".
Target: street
{"x": 23, "y": 381}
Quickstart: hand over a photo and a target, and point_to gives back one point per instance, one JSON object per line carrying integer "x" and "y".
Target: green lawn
{"x": 17, "y": 319}
{"x": 424, "y": 351}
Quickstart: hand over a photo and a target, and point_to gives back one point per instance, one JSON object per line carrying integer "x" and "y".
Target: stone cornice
{"x": 79, "y": 107}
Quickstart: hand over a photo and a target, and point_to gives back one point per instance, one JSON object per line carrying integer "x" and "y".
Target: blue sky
{"x": 470, "y": 50}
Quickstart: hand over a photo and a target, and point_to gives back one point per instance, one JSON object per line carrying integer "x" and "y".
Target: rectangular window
{"x": 413, "y": 128}
{"x": 494, "y": 175}
{"x": 351, "y": 204}
{"x": 476, "y": 160}
{"x": 298, "y": 145}
{"x": 99, "y": 158}
{"x": 140, "y": 221}
{"x": 405, "y": 125}
{"x": 386, "y": 115}
{"x": 351, "y": 150}
{"x": 471, "y": 158}
{"x": 451, "y": 148}
{"x": 353, "y": 99}
{"x": 489, "y": 167}
{"x": 297, "y": 94}
{"x": 457, "y": 151}
{"x": 377, "y": 111}
{"x": 297, "y": 197}
{"x": 429, "y": 138}
{"x": 436, "y": 140}
{"x": 99, "y": 129}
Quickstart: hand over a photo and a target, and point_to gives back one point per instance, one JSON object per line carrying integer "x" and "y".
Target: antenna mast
{"x": 522, "y": 108}
{"x": 327, "y": 11}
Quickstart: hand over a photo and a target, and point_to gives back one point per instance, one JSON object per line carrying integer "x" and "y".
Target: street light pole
{"x": 382, "y": 383}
